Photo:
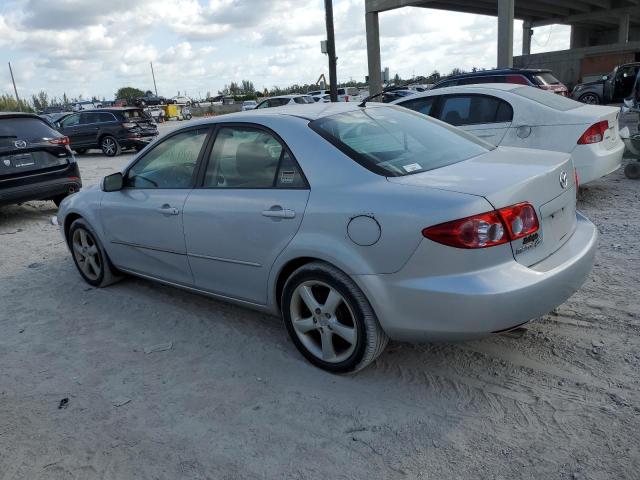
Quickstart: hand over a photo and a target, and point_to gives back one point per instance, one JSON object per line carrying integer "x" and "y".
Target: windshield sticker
{"x": 412, "y": 167}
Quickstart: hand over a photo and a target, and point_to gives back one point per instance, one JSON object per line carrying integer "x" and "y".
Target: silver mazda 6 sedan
{"x": 355, "y": 223}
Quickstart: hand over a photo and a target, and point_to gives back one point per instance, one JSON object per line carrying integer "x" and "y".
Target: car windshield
{"x": 549, "y": 99}
{"x": 394, "y": 141}
{"x": 547, "y": 79}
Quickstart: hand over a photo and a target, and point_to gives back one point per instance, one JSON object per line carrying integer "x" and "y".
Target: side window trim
{"x": 199, "y": 160}
{"x": 443, "y": 98}
{"x": 206, "y": 157}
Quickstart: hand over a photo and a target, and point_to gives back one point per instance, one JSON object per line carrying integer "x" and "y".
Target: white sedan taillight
{"x": 594, "y": 134}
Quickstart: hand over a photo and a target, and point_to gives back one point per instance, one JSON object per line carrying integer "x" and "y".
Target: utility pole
{"x": 15, "y": 90}
{"x": 154, "y": 79}
{"x": 331, "y": 51}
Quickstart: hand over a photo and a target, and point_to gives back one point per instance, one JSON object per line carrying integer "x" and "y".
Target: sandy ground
{"x": 233, "y": 399}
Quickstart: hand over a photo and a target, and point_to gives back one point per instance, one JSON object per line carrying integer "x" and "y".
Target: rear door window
{"x": 89, "y": 118}
{"x": 460, "y": 110}
{"x": 106, "y": 117}
{"x": 423, "y": 105}
{"x": 71, "y": 121}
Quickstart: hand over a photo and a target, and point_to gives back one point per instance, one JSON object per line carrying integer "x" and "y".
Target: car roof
{"x": 310, "y": 111}
{"x": 19, "y": 115}
{"x": 473, "y": 88}
{"x": 498, "y": 71}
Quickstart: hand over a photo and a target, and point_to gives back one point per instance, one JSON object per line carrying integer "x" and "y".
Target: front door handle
{"x": 278, "y": 212}
{"x": 167, "y": 209}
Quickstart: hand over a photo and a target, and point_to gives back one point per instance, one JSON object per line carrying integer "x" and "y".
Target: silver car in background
{"x": 356, "y": 224}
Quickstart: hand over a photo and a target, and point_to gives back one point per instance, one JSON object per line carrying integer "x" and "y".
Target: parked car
{"x": 322, "y": 98}
{"x": 285, "y": 100}
{"x": 149, "y": 99}
{"x": 356, "y": 224}
{"x": 348, "y": 94}
{"x": 249, "y": 105}
{"x": 36, "y": 162}
{"x": 543, "y": 79}
{"x": 86, "y": 105}
{"x": 315, "y": 93}
{"x": 182, "y": 100}
{"x": 611, "y": 88}
{"x": 109, "y": 129}
{"x": 52, "y": 118}
{"x": 520, "y": 116}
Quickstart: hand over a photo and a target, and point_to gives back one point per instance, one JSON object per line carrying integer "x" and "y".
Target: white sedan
{"x": 520, "y": 116}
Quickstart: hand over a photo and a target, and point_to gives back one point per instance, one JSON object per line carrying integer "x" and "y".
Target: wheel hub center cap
{"x": 322, "y": 320}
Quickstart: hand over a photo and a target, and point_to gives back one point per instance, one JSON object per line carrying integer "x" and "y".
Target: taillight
{"x": 59, "y": 141}
{"x": 521, "y": 220}
{"x": 594, "y": 134}
{"x": 346, "y": 98}
{"x": 486, "y": 229}
{"x": 129, "y": 125}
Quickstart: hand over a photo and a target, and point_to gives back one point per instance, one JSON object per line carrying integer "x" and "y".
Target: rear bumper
{"x": 42, "y": 186}
{"x": 593, "y": 161}
{"x": 477, "y": 303}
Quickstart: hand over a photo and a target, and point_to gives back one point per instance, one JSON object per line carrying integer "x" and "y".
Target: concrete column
{"x": 505, "y": 33}
{"x": 527, "y": 33}
{"x": 579, "y": 36}
{"x": 623, "y": 28}
{"x": 373, "y": 53}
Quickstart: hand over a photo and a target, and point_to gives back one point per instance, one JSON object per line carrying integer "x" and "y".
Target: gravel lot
{"x": 232, "y": 398}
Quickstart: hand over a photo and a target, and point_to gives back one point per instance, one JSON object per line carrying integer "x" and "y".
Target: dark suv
{"x": 109, "y": 129}
{"x": 36, "y": 162}
{"x": 543, "y": 79}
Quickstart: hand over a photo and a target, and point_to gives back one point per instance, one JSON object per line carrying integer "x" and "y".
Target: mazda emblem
{"x": 20, "y": 144}
{"x": 564, "y": 180}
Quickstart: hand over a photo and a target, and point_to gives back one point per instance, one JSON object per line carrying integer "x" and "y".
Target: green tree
{"x": 248, "y": 88}
{"x": 129, "y": 94}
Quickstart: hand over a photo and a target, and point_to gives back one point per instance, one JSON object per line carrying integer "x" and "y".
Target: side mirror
{"x": 605, "y": 78}
{"x": 58, "y": 125}
{"x": 112, "y": 183}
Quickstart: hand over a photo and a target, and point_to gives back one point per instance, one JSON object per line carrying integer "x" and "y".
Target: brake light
{"x": 594, "y": 134}
{"x": 59, "y": 141}
{"x": 486, "y": 229}
{"x": 129, "y": 125}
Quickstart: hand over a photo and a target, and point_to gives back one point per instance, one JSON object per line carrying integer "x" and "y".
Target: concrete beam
{"x": 505, "y": 33}
{"x": 527, "y": 33}
{"x": 623, "y": 28}
{"x": 585, "y": 17}
{"x": 373, "y": 52}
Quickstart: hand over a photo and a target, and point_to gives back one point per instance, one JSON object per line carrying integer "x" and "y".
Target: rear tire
{"x": 339, "y": 332}
{"x": 110, "y": 146}
{"x": 632, "y": 170}
{"x": 590, "y": 99}
{"x": 89, "y": 256}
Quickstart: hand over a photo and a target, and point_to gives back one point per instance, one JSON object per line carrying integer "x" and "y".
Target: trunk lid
{"x": 507, "y": 176}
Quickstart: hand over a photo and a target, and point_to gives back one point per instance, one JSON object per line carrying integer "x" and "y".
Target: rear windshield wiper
{"x": 390, "y": 88}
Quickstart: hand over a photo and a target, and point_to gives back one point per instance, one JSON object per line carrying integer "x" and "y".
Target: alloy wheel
{"x": 590, "y": 99}
{"x": 86, "y": 254}
{"x": 323, "y": 321}
{"x": 109, "y": 146}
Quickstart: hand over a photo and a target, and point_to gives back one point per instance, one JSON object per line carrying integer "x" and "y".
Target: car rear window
{"x": 304, "y": 100}
{"x": 549, "y": 99}
{"x": 25, "y": 128}
{"x": 393, "y": 141}
{"x": 546, "y": 79}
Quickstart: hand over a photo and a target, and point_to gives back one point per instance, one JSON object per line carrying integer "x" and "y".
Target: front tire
{"x": 330, "y": 320}
{"x": 590, "y": 99}
{"x": 110, "y": 146}
{"x": 89, "y": 256}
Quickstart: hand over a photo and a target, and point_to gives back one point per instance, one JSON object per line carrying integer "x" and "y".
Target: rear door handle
{"x": 279, "y": 212}
{"x": 167, "y": 209}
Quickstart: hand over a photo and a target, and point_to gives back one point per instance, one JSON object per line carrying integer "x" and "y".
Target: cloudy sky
{"x": 93, "y": 47}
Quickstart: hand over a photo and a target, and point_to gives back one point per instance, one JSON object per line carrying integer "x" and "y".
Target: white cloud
{"x": 97, "y": 46}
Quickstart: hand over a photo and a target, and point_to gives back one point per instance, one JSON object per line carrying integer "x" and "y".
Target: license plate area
{"x": 23, "y": 160}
